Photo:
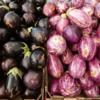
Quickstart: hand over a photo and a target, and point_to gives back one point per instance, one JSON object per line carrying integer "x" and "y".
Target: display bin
{"x": 41, "y": 95}
{"x": 48, "y": 96}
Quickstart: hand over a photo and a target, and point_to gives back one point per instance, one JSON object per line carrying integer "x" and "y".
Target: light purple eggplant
{"x": 87, "y": 48}
{"x": 93, "y": 92}
{"x": 54, "y": 87}
{"x": 49, "y": 9}
{"x": 77, "y": 67}
{"x": 68, "y": 86}
{"x": 91, "y": 2}
{"x": 86, "y": 82}
{"x": 57, "y": 45}
{"x": 89, "y": 9}
{"x": 93, "y": 33}
{"x": 54, "y": 66}
{"x": 72, "y": 34}
{"x": 96, "y": 40}
{"x": 77, "y": 3}
{"x": 54, "y": 20}
{"x": 67, "y": 57}
{"x": 61, "y": 6}
{"x": 79, "y": 17}
{"x": 97, "y": 10}
{"x": 62, "y": 24}
{"x": 94, "y": 69}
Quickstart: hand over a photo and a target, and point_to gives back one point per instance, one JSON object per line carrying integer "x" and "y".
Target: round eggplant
{"x": 13, "y": 84}
{"x": 12, "y": 20}
{"x": 32, "y": 79}
{"x": 8, "y": 63}
{"x": 38, "y": 58}
{"x": 39, "y": 35}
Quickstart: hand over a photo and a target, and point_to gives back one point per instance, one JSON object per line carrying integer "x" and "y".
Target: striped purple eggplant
{"x": 97, "y": 10}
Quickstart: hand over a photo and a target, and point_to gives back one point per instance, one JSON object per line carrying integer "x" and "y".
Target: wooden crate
{"x": 48, "y": 96}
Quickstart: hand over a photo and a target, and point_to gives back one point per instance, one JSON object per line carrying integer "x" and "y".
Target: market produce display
{"x": 23, "y": 35}
{"x": 73, "y": 47}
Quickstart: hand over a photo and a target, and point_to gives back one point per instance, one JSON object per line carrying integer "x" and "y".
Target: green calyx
{"x": 15, "y": 71}
{"x": 5, "y": 7}
{"x": 29, "y": 29}
{"x": 85, "y": 34}
{"x": 27, "y": 54}
{"x": 63, "y": 15}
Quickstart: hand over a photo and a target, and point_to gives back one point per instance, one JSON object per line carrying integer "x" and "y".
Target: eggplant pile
{"x": 23, "y": 35}
{"x": 73, "y": 47}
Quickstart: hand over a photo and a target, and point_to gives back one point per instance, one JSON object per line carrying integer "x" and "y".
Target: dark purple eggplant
{"x": 38, "y": 58}
{"x": 13, "y": 85}
{"x": 43, "y": 23}
{"x": 39, "y": 35}
{"x": 30, "y": 94}
{"x": 32, "y": 79}
{"x": 15, "y": 48}
{"x": 12, "y": 20}
{"x": 8, "y": 63}
{"x": 39, "y": 2}
{"x": 3, "y": 10}
{"x": 29, "y": 18}
{"x": 28, "y": 7}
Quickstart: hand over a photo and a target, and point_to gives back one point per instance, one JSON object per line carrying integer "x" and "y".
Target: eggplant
{"x": 33, "y": 79}
{"x": 8, "y": 63}
{"x": 3, "y": 10}
{"x": 38, "y": 58}
{"x": 30, "y": 94}
{"x": 6, "y": 1}
{"x": 38, "y": 35}
{"x": 39, "y": 2}
{"x": 15, "y": 48}
{"x": 12, "y": 20}
{"x": 13, "y": 84}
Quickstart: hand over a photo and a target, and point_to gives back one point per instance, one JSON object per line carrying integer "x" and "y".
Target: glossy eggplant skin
{"x": 8, "y": 63}
{"x": 39, "y": 35}
{"x": 13, "y": 48}
{"x": 13, "y": 86}
{"x": 29, "y": 94}
{"x": 38, "y": 58}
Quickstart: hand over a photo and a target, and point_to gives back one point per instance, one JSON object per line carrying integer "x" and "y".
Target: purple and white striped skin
{"x": 89, "y": 9}
{"x": 67, "y": 57}
{"x": 54, "y": 20}
{"x": 54, "y": 66}
{"x": 61, "y": 25}
{"x": 97, "y": 10}
{"x": 98, "y": 53}
{"x": 77, "y": 3}
{"x": 91, "y": 2}
{"x": 79, "y": 17}
{"x": 72, "y": 34}
{"x": 53, "y": 1}
{"x": 68, "y": 86}
{"x": 87, "y": 48}
{"x": 77, "y": 67}
{"x": 87, "y": 30}
{"x": 56, "y": 45}
{"x": 93, "y": 33}
{"x": 54, "y": 87}
{"x": 49, "y": 9}
{"x": 62, "y": 6}
{"x": 86, "y": 82}
{"x": 96, "y": 40}
{"x": 94, "y": 69}
{"x": 93, "y": 92}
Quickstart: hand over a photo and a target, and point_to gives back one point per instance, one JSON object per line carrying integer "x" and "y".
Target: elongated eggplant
{"x": 8, "y": 63}
{"x": 13, "y": 83}
{"x": 39, "y": 35}
{"x": 38, "y": 58}
{"x": 15, "y": 48}
{"x": 32, "y": 79}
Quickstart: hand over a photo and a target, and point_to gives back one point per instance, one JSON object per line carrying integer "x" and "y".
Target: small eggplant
{"x": 28, "y": 7}
{"x": 32, "y": 79}
{"x": 3, "y": 10}
{"x": 38, "y": 58}
{"x": 12, "y": 20}
{"x": 30, "y": 94}
{"x": 15, "y": 48}
{"x": 8, "y": 63}
{"x": 13, "y": 86}
{"x": 39, "y": 35}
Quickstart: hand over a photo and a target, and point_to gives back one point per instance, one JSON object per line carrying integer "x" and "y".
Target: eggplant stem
{"x": 4, "y": 6}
